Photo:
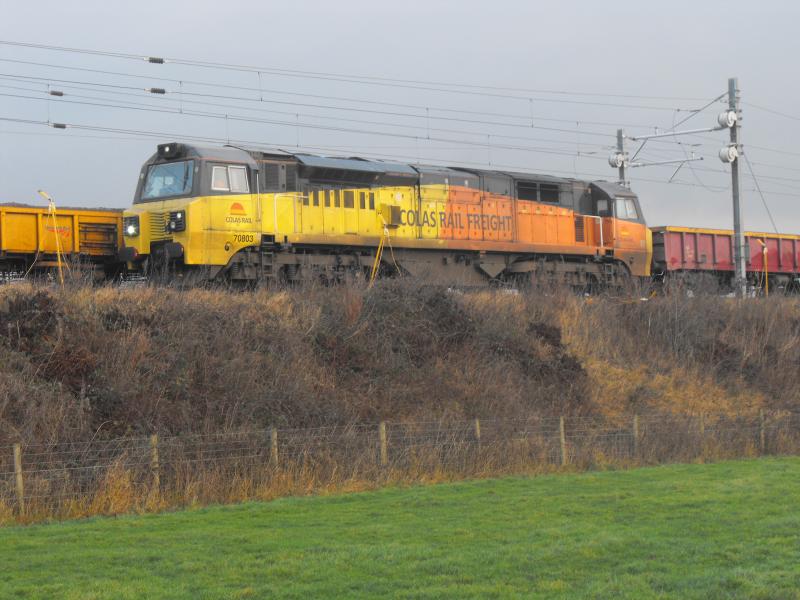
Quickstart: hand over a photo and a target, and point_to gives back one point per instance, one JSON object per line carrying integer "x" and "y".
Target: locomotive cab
{"x": 624, "y": 227}
{"x": 184, "y": 193}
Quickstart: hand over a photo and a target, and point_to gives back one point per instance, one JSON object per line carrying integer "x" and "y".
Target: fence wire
{"x": 61, "y": 480}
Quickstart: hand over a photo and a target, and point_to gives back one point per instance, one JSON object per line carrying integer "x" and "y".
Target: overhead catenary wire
{"x": 777, "y": 180}
{"x": 293, "y": 113}
{"x": 306, "y": 105}
{"x": 315, "y": 116}
{"x": 161, "y": 135}
{"x": 463, "y": 88}
{"x": 242, "y": 118}
{"x": 254, "y": 143}
{"x": 362, "y": 150}
{"x": 185, "y": 95}
{"x": 152, "y": 107}
{"x": 576, "y": 132}
{"x": 713, "y": 146}
{"x": 775, "y": 150}
{"x": 760, "y": 193}
{"x": 772, "y": 111}
{"x": 686, "y": 156}
{"x": 266, "y": 70}
{"x": 777, "y": 167}
{"x": 698, "y": 111}
{"x": 260, "y": 90}
{"x": 257, "y": 144}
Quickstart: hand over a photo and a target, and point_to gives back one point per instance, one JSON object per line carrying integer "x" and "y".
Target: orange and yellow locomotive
{"x": 253, "y": 215}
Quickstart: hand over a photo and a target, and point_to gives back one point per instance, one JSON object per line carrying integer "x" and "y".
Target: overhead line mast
{"x": 732, "y": 153}
{"x": 729, "y": 119}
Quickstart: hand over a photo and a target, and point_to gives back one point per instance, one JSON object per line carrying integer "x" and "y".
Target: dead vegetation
{"x": 82, "y": 363}
{"x": 98, "y": 370}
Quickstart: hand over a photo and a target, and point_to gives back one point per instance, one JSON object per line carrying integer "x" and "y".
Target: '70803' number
{"x": 244, "y": 238}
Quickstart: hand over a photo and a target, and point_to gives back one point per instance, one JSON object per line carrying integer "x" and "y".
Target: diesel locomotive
{"x": 248, "y": 215}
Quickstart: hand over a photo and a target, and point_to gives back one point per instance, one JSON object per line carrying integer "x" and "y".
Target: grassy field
{"x": 726, "y": 530}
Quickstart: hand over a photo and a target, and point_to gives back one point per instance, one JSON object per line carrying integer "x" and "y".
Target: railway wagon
{"x": 31, "y": 239}
{"x": 250, "y": 215}
{"x": 687, "y": 250}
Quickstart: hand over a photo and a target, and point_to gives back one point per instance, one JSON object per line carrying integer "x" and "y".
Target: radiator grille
{"x": 291, "y": 177}
{"x": 271, "y": 177}
{"x": 158, "y": 226}
{"x": 580, "y": 234}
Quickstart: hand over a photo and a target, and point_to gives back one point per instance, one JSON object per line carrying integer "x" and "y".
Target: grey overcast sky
{"x": 641, "y": 65}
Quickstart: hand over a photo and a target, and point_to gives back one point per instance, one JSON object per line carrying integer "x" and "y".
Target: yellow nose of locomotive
{"x": 154, "y": 231}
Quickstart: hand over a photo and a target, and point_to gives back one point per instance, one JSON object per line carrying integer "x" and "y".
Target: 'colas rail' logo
{"x": 62, "y": 231}
{"x": 237, "y": 214}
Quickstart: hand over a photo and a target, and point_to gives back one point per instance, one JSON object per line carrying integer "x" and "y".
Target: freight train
{"x": 251, "y": 216}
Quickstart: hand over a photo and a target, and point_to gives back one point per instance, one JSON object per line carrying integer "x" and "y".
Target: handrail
{"x": 600, "y": 227}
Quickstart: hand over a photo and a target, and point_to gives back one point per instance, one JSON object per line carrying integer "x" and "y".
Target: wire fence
{"x": 40, "y": 481}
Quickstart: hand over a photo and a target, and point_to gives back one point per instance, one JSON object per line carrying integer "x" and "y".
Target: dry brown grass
{"x": 83, "y": 363}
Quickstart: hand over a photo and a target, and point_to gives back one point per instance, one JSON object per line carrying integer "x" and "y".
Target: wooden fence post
{"x": 762, "y": 431}
{"x": 384, "y": 448}
{"x": 636, "y": 436}
{"x": 563, "y": 438}
{"x": 273, "y": 445}
{"x": 18, "y": 478}
{"x": 702, "y": 427}
{"x": 478, "y": 431}
{"x": 154, "y": 463}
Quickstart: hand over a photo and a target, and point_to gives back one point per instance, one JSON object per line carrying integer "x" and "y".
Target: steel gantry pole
{"x": 739, "y": 257}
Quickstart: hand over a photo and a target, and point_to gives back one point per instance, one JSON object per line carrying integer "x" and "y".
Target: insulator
{"x": 727, "y": 118}
{"x": 728, "y": 154}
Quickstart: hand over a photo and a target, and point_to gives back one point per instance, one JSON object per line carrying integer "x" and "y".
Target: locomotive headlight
{"x": 130, "y": 226}
{"x": 177, "y": 221}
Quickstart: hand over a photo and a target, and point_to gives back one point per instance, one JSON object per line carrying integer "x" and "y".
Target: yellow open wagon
{"x": 31, "y": 238}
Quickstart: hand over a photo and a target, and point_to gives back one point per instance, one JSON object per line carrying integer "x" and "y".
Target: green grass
{"x": 727, "y": 530}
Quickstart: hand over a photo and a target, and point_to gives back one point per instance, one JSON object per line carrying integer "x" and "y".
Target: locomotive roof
{"x": 520, "y": 176}
{"x": 218, "y": 153}
{"x": 537, "y": 177}
{"x": 373, "y": 166}
{"x": 355, "y": 164}
{"x": 613, "y": 190}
